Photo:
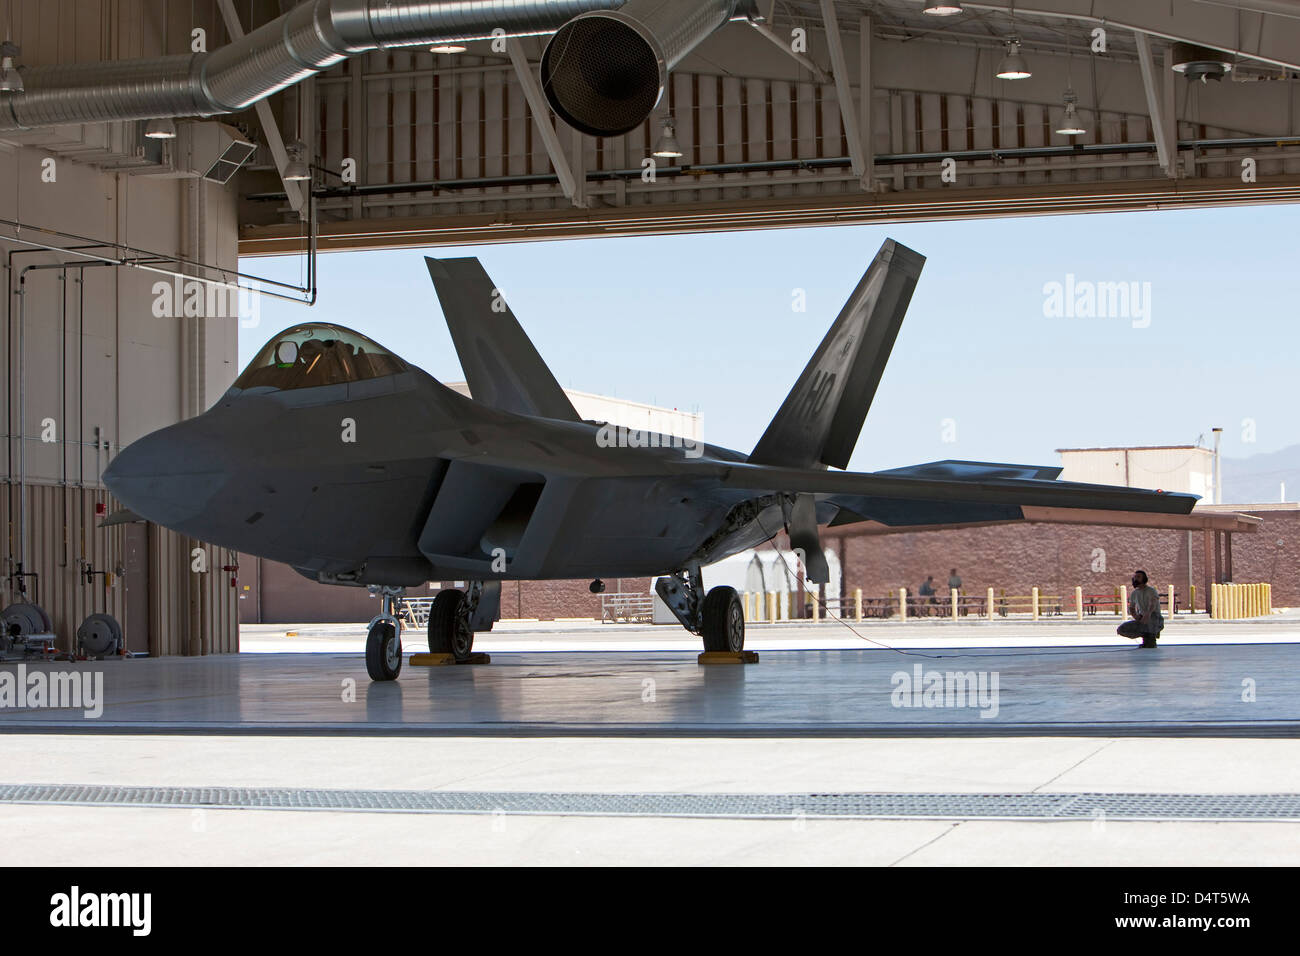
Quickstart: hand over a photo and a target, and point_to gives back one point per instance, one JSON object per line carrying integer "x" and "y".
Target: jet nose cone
{"x": 168, "y": 476}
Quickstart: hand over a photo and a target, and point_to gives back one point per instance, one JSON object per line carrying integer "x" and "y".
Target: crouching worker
{"x": 1144, "y": 609}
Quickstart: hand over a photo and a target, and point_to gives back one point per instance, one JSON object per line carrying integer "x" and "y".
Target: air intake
{"x": 604, "y": 72}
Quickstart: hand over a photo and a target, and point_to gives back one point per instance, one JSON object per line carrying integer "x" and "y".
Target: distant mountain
{"x": 1257, "y": 478}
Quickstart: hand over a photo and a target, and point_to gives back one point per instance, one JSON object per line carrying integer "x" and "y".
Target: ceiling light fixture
{"x": 11, "y": 81}
{"x": 447, "y": 48}
{"x": 162, "y": 128}
{"x": 296, "y": 170}
{"x": 1070, "y": 125}
{"x": 1013, "y": 65}
{"x": 940, "y": 8}
{"x": 668, "y": 147}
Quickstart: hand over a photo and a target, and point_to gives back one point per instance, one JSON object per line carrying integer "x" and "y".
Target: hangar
{"x": 154, "y": 152}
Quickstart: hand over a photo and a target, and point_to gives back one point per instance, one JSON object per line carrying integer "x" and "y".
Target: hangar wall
{"x": 97, "y": 368}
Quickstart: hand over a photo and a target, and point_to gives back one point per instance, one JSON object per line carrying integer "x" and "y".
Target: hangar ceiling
{"x": 887, "y": 113}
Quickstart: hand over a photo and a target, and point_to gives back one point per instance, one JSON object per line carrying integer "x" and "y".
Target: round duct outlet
{"x": 602, "y": 74}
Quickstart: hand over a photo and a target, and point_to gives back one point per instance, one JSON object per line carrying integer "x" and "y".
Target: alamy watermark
{"x": 41, "y": 689}
{"x": 1085, "y": 299}
{"x": 620, "y": 436}
{"x": 922, "y": 688}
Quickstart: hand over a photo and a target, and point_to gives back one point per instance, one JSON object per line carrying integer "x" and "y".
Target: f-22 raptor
{"x": 332, "y": 454}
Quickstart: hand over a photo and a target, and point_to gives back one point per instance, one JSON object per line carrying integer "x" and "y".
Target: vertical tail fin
{"x": 819, "y": 422}
{"x": 501, "y": 366}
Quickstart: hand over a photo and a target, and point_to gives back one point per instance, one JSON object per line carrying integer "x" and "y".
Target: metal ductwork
{"x": 310, "y": 38}
{"x": 604, "y": 72}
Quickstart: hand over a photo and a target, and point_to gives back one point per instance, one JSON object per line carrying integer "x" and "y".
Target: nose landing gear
{"x": 384, "y": 638}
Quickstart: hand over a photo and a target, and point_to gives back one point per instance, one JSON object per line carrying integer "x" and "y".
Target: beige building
{"x": 628, "y": 414}
{"x": 1185, "y": 469}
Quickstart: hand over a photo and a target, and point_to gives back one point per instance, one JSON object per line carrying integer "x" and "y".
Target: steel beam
{"x": 537, "y": 105}
{"x": 293, "y": 190}
{"x": 1159, "y": 93}
{"x": 784, "y": 45}
{"x": 844, "y": 92}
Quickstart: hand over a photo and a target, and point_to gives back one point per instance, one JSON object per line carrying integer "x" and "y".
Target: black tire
{"x": 724, "y": 620}
{"x": 449, "y": 627}
{"x": 383, "y": 652}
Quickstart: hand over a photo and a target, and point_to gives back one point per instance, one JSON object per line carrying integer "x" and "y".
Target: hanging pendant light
{"x": 1070, "y": 125}
{"x": 668, "y": 147}
{"x": 296, "y": 170}
{"x": 1013, "y": 65}
{"x": 11, "y": 81}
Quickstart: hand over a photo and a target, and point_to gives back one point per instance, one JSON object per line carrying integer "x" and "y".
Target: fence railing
{"x": 1227, "y": 601}
{"x": 627, "y": 608}
{"x": 1237, "y": 601}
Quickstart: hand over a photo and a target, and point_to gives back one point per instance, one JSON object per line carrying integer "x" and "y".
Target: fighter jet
{"x": 334, "y": 455}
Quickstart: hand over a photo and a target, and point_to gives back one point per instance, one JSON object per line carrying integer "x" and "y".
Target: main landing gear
{"x": 718, "y": 616}
{"x": 450, "y": 628}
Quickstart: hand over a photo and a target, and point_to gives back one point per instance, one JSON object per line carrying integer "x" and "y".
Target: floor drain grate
{"x": 934, "y": 806}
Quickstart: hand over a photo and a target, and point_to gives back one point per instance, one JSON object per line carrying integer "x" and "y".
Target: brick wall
{"x": 1060, "y": 557}
{"x": 286, "y": 597}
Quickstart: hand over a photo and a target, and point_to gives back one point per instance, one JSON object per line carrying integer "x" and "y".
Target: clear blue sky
{"x": 706, "y": 323}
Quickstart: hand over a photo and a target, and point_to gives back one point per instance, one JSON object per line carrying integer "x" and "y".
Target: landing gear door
{"x": 488, "y": 610}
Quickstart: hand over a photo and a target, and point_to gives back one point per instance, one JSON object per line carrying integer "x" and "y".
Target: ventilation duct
{"x": 310, "y": 38}
{"x": 604, "y": 72}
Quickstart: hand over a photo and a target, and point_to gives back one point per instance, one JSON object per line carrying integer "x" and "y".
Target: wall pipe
{"x": 778, "y": 165}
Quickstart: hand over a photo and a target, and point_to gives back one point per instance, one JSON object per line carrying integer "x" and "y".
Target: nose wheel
{"x": 384, "y": 639}
{"x": 383, "y": 651}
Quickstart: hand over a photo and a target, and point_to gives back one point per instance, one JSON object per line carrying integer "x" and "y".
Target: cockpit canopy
{"x": 310, "y": 355}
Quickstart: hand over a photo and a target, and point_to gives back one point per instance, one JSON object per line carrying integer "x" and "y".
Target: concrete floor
{"x": 1078, "y": 711}
{"x": 1090, "y": 682}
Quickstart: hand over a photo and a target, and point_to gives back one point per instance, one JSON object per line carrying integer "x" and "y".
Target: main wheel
{"x": 724, "y": 620}
{"x": 383, "y": 651}
{"x": 449, "y": 630}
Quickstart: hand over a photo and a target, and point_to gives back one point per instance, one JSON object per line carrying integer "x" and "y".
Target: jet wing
{"x": 502, "y": 367}
{"x": 905, "y": 498}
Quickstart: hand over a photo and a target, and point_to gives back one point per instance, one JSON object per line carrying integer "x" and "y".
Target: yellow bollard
{"x": 1078, "y": 603}
{"x": 989, "y": 606}
{"x": 955, "y": 596}
{"x": 1033, "y": 594}
{"x": 771, "y": 605}
{"x": 857, "y": 604}
{"x": 1121, "y": 606}
{"x": 816, "y": 606}
{"x": 1171, "y": 600}
{"x": 902, "y": 604}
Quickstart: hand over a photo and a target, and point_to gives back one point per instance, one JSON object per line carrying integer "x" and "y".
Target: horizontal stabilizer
{"x": 502, "y": 368}
{"x": 991, "y": 491}
{"x": 819, "y": 422}
{"x": 974, "y": 470}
